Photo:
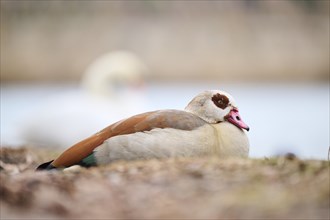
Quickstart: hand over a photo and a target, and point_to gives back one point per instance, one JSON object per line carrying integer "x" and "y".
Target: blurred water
{"x": 282, "y": 117}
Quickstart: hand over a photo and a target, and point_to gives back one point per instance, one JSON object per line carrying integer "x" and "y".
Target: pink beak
{"x": 234, "y": 118}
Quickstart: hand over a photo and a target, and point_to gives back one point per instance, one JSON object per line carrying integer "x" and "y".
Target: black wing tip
{"x": 46, "y": 166}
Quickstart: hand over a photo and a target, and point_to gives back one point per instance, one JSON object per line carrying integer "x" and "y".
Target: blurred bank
{"x": 222, "y": 40}
{"x": 272, "y": 56}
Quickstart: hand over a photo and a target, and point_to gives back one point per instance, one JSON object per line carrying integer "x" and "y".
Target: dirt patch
{"x": 199, "y": 188}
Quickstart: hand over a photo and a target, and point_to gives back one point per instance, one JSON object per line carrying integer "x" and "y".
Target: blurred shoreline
{"x": 215, "y": 40}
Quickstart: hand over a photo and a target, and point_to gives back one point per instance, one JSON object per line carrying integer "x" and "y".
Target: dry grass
{"x": 192, "y": 188}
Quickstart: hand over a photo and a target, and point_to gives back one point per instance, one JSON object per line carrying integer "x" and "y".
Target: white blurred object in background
{"x": 111, "y": 89}
{"x": 114, "y": 74}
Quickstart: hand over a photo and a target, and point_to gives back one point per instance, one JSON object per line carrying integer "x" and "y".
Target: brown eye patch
{"x": 220, "y": 100}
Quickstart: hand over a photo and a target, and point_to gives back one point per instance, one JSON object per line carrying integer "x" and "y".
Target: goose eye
{"x": 220, "y": 101}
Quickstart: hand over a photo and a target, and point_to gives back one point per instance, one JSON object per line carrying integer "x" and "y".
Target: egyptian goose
{"x": 209, "y": 125}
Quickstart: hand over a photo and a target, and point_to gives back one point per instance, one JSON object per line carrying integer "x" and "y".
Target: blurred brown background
{"x": 223, "y": 40}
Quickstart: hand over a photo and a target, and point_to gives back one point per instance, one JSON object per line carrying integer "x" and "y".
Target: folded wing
{"x": 143, "y": 122}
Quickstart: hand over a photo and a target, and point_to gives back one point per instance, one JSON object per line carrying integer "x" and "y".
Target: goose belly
{"x": 158, "y": 143}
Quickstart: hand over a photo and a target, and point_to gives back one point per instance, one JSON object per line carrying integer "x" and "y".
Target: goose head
{"x": 215, "y": 106}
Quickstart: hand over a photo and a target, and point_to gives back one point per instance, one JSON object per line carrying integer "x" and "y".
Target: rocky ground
{"x": 190, "y": 188}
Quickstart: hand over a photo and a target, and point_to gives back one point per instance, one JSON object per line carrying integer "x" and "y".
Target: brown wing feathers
{"x": 139, "y": 123}
{"x": 82, "y": 149}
